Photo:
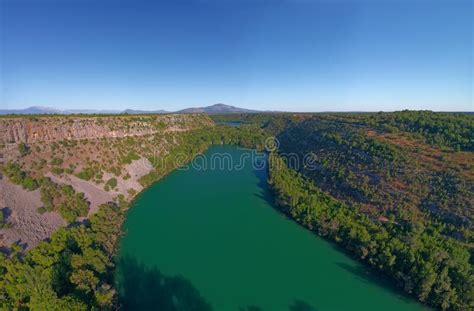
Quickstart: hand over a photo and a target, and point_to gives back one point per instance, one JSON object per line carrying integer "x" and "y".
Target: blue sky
{"x": 275, "y": 55}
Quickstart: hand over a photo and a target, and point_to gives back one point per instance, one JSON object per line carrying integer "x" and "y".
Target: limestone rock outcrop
{"x": 48, "y": 128}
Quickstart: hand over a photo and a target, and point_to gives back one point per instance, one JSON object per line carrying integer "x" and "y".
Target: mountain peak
{"x": 220, "y": 105}
{"x": 218, "y": 108}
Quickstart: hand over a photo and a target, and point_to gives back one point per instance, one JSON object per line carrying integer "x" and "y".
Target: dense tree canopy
{"x": 434, "y": 268}
{"x": 71, "y": 271}
{"x": 394, "y": 189}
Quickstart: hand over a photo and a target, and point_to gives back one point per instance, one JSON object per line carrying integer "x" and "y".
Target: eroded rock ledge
{"x": 52, "y": 128}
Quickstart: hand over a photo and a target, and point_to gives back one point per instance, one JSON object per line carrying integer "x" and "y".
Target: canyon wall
{"x": 51, "y": 128}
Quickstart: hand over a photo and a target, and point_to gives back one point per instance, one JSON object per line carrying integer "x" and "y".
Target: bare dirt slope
{"x": 26, "y": 225}
{"x": 95, "y": 193}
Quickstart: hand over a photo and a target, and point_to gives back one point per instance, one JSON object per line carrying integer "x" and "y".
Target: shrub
{"x": 29, "y": 183}
{"x": 23, "y": 149}
{"x": 63, "y": 199}
{"x": 57, "y": 170}
{"x": 131, "y": 156}
{"x": 56, "y": 161}
{"x": 112, "y": 183}
{"x": 115, "y": 170}
{"x": 86, "y": 174}
{"x": 19, "y": 177}
{"x": 3, "y": 222}
{"x": 67, "y": 190}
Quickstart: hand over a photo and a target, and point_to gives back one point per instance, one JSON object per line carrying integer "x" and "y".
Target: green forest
{"x": 394, "y": 190}
{"x": 434, "y": 268}
{"x": 73, "y": 270}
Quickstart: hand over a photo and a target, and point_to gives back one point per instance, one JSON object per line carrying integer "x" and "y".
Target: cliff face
{"x": 44, "y": 129}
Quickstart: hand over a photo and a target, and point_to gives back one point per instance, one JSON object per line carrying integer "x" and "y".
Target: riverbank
{"x": 212, "y": 238}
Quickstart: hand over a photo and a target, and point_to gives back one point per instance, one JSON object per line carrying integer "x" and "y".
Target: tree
{"x": 23, "y": 149}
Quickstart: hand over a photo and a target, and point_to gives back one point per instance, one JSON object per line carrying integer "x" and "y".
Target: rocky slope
{"x": 102, "y": 158}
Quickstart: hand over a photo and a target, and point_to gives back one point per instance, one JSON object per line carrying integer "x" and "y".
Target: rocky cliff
{"x": 43, "y": 129}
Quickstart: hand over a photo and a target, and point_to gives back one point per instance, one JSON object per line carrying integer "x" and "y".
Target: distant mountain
{"x": 90, "y": 111}
{"x": 49, "y": 110}
{"x": 31, "y": 110}
{"x": 217, "y": 109}
{"x": 132, "y": 111}
{"x": 214, "y": 109}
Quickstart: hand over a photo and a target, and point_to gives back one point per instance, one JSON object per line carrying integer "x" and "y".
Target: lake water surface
{"x": 209, "y": 239}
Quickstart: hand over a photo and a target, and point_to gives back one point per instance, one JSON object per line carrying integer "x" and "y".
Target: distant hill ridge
{"x": 213, "y": 109}
{"x": 216, "y": 109}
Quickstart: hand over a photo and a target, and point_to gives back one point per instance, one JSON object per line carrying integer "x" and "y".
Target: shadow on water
{"x": 250, "y": 308}
{"x": 297, "y": 305}
{"x": 144, "y": 288}
{"x": 300, "y": 305}
{"x": 367, "y": 276}
{"x": 265, "y": 193}
{"x": 361, "y": 273}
